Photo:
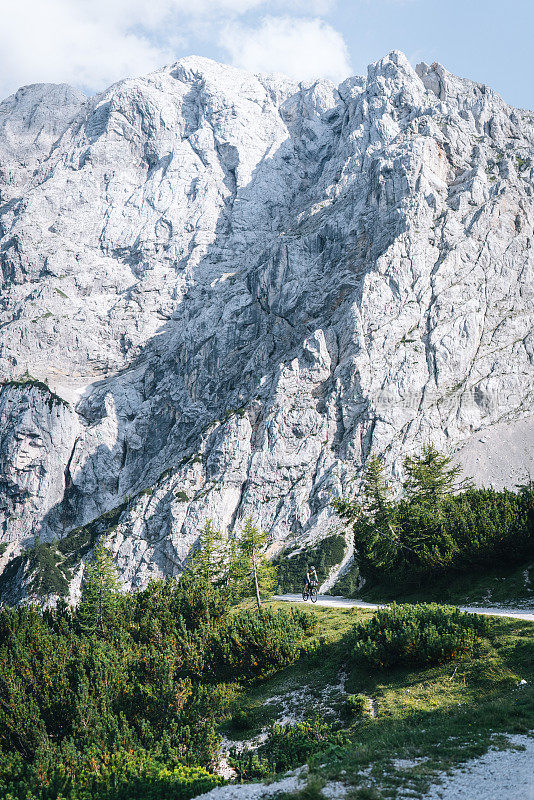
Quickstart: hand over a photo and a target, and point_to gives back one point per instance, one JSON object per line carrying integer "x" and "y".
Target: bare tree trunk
{"x": 257, "y": 588}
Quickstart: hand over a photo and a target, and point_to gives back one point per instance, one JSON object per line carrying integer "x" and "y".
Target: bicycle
{"x": 310, "y": 590}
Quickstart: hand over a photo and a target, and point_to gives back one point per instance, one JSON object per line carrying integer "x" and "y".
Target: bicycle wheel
{"x": 305, "y": 595}
{"x": 313, "y": 594}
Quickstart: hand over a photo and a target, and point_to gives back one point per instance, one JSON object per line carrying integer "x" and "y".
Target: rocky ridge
{"x": 221, "y": 291}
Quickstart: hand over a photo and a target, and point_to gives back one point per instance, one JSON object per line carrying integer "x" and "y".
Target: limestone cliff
{"x": 221, "y": 291}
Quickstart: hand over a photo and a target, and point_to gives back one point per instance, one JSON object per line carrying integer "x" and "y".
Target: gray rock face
{"x": 241, "y": 286}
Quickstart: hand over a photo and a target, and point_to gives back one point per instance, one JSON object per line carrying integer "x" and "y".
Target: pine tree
{"x": 432, "y": 476}
{"x": 378, "y": 500}
{"x": 236, "y": 572}
{"x": 251, "y": 571}
{"x": 210, "y": 558}
{"x": 100, "y": 593}
{"x": 378, "y": 535}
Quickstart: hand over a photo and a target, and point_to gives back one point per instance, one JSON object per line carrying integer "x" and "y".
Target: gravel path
{"x": 498, "y": 775}
{"x": 259, "y": 791}
{"x": 252, "y": 791}
{"x": 342, "y": 602}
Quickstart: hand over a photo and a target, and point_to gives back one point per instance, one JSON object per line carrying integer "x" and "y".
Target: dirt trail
{"x": 342, "y": 602}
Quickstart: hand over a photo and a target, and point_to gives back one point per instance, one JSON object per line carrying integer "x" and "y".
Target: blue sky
{"x": 489, "y": 41}
{"x": 91, "y": 43}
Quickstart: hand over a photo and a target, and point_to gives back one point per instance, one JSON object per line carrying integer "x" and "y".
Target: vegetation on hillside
{"x": 439, "y": 526}
{"x": 423, "y": 634}
{"x": 131, "y": 706}
{"x": 48, "y": 566}
{"x": 120, "y": 698}
{"x": 125, "y": 696}
{"x": 235, "y": 563}
{"x": 353, "y": 721}
{"x": 28, "y": 382}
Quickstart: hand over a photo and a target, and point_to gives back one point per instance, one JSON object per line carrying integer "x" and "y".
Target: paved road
{"x": 342, "y": 602}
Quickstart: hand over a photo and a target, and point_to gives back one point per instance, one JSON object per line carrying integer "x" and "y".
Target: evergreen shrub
{"x": 253, "y": 645}
{"x": 122, "y": 775}
{"x": 287, "y": 746}
{"x": 245, "y": 718}
{"x": 290, "y": 745}
{"x": 416, "y": 635}
{"x": 355, "y": 705}
{"x": 128, "y": 707}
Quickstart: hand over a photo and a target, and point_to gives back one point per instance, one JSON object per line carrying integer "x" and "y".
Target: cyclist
{"x": 311, "y": 579}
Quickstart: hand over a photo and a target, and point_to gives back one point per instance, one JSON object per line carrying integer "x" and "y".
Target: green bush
{"x": 416, "y": 635}
{"x": 355, "y": 705}
{"x": 245, "y": 718}
{"x": 248, "y": 765}
{"x": 288, "y": 746}
{"x": 253, "y": 645}
{"x": 122, "y": 775}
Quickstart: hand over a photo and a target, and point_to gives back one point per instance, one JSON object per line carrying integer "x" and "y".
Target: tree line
{"x": 439, "y": 522}
{"x": 436, "y": 524}
{"x": 236, "y": 567}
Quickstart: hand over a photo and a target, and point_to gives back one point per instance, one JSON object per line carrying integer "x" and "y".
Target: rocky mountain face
{"x": 222, "y": 291}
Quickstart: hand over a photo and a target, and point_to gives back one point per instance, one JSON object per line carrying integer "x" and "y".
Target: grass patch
{"x": 27, "y": 382}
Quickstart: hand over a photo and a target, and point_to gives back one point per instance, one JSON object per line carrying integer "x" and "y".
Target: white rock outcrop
{"x": 241, "y": 286}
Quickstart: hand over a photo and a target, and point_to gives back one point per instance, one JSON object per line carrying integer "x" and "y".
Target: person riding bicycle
{"x": 311, "y": 579}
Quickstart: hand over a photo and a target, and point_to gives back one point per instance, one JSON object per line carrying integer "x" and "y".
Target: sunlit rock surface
{"x": 241, "y": 286}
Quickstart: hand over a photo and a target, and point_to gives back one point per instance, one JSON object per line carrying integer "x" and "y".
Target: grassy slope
{"x": 316, "y": 677}
{"x": 439, "y": 716}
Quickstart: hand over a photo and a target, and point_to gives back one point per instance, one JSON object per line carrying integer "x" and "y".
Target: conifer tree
{"x": 378, "y": 500}
{"x": 376, "y": 505}
{"x": 252, "y": 572}
{"x": 100, "y": 593}
{"x": 432, "y": 476}
{"x": 210, "y": 558}
{"x": 378, "y": 537}
{"x": 235, "y": 575}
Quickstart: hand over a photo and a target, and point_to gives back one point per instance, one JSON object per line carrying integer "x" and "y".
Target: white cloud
{"x": 304, "y": 49}
{"x": 91, "y": 43}
{"x": 309, "y": 7}
{"x": 73, "y": 42}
